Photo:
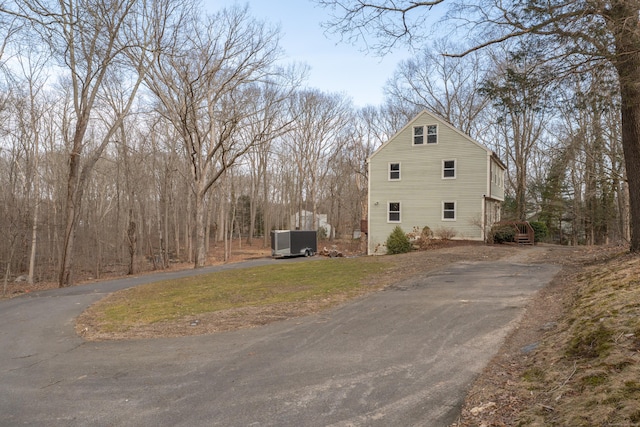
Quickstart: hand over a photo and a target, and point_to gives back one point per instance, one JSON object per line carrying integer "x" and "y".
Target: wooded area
{"x": 134, "y": 133}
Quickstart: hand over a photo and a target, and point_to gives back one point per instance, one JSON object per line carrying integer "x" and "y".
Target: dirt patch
{"x": 209, "y": 323}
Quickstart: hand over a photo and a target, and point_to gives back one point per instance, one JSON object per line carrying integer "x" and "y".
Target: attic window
{"x": 432, "y": 134}
{"x": 418, "y": 135}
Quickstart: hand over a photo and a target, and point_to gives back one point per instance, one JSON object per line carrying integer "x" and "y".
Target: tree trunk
{"x": 34, "y": 240}
{"x": 72, "y": 211}
{"x": 188, "y": 231}
{"x": 627, "y": 65}
{"x": 266, "y": 208}
{"x": 207, "y": 225}
{"x": 631, "y": 146}
{"x": 200, "y": 208}
{"x": 165, "y": 224}
{"x": 34, "y": 227}
{"x": 176, "y": 228}
{"x": 7, "y": 271}
{"x": 521, "y": 198}
{"x": 132, "y": 236}
{"x": 623, "y": 208}
{"x": 253, "y": 207}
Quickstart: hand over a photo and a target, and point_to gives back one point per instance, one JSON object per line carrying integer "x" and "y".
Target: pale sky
{"x": 334, "y": 66}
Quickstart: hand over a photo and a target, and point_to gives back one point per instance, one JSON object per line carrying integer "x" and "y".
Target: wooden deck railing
{"x": 525, "y": 235}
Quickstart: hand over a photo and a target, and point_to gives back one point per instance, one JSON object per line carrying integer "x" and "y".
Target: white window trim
{"x": 455, "y": 210}
{"x": 399, "y": 213}
{"x": 399, "y": 171}
{"x": 413, "y": 136}
{"x": 455, "y": 169}
{"x": 426, "y": 135}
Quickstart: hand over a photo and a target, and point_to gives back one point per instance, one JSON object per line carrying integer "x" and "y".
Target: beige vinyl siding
{"x": 422, "y": 189}
{"x": 497, "y": 188}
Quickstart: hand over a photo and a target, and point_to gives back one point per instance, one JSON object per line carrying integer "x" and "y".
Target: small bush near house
{"x": 443, "y": 233}
{"x": 426, "y": 236}
{"x": 502, "y": 234}
{"x": 398, "y": 242}
{"x": 540, "y": 230}
{"x": 421, "y": 238}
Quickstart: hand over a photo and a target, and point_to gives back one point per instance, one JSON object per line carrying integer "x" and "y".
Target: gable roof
{"x": 443, "y": 122}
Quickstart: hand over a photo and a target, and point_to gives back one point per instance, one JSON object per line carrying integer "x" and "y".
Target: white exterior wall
{"x": 422, "y": 189}
{"x": 304, "y": 220}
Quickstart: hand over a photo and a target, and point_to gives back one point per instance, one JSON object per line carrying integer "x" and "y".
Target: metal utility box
{"x": 286, "y": 243}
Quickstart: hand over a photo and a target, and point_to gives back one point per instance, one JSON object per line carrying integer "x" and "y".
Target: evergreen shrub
{"x": 398, "y": 242}
{"x": 540, "y": 230}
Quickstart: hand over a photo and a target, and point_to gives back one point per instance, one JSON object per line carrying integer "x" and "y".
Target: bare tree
{"x": 272, "y": 121}
{"x": 89, "y": 38}
{"x": 203, "y": 81}
{"x": 584, "y": 185}
{"x": 446, "y": 86}
{"x": 11, "y": 204}
{"x": 372, "y": 127}
{"x": 321, "y": 122}
{"x": 381, "y": 24}
{"x": 29, "y": 116}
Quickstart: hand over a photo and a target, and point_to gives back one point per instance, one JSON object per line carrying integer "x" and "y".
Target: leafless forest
{"x": 136, "y": 133}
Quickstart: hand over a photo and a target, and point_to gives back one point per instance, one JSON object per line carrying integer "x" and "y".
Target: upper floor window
{"x": 432, "y": 134}
{"x": 394, "y": 171}
{"x": 418, "y": 135}
{"x": 448, "y": 168}
{"x": 394, "y": 212}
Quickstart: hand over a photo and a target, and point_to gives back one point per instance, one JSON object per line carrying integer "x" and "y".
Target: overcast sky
{"x": 335, "y": 67}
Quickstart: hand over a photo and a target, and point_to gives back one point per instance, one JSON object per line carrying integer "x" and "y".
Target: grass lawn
{"x": 324, "y": 282}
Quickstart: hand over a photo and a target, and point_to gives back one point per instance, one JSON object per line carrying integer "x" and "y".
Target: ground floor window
{"x": 449, "y": 211}
{"x": 394, "y": 212}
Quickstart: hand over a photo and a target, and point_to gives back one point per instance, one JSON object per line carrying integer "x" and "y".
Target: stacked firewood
{"x": 331, "y": 253}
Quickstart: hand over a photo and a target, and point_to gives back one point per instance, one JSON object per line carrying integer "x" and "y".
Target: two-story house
{"x": 431, "y": 174}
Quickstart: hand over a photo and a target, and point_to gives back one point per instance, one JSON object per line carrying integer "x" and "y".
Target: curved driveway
{"x": 401, "y": 357}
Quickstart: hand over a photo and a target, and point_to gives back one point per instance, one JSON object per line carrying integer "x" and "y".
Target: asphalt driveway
{"x": 401, "y": 357}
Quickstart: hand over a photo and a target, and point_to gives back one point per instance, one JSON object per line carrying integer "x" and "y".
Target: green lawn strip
{"x": 267, "y": 285}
